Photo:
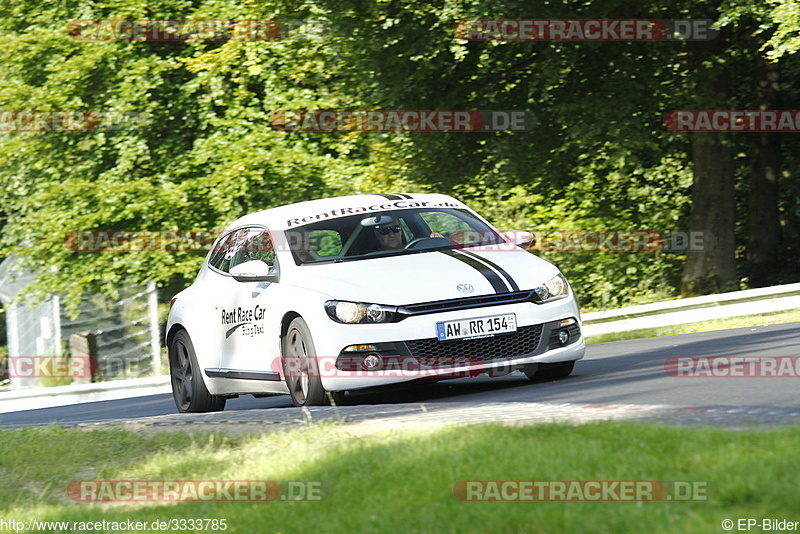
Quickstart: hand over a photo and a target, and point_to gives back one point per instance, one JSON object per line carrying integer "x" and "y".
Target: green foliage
{"x": 199, "y": 153}
{"x": 198, "y": 148}
{"x": 779, "y": 20}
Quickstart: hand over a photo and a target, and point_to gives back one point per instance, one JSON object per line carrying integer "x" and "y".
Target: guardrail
{"x": 36, "y": 398}
{"x": 667, "y": 313}
{"x": 692, "y": 310}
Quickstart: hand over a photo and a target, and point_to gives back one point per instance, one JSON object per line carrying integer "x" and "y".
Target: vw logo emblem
{"x": 465, "y": 288}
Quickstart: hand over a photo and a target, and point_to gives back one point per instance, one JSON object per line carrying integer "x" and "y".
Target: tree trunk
{"x": 711, "y": 268}
{"x": 764, "y": 227}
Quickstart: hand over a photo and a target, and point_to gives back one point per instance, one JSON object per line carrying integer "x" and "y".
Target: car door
{"x": 218, "y": 291}
{"x": 249, "y": 318}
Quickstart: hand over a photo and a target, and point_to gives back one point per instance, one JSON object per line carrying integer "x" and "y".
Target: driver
{"x": 389, "y": 235}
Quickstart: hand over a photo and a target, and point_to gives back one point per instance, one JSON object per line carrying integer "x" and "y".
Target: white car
{"x": 332, "y": 295}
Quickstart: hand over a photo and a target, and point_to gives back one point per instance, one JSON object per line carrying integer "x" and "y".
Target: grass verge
{"x": 403, "y": 480}
{"x": 790, "y": 316}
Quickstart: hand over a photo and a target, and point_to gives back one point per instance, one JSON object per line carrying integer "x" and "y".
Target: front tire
{"x": 188, "y": 389}
{"x": 300, "y": 366}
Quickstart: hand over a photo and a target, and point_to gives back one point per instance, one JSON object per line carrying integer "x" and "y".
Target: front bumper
{"x": 400, "y": 361}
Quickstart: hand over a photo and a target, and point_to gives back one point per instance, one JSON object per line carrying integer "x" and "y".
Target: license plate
{"x": 476, "y": 327}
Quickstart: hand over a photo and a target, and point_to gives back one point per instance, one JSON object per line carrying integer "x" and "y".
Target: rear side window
{"x": 221, "y": 254}
{"x": 239, "y": 246}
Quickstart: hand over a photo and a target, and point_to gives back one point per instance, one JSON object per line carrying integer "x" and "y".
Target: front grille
{"x": 464, "y": 303}
{"x": 435, "y": 353}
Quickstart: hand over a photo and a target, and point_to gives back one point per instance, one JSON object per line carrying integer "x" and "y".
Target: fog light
{"x": 563, "y": 336}
{"x": 372, "y": 362}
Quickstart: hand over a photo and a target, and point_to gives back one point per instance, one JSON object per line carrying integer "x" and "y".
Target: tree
{"x": 194, "y": 151}
{"x": 202, "y": 150}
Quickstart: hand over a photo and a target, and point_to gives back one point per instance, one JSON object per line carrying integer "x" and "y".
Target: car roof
{"x": 294, "y": 215}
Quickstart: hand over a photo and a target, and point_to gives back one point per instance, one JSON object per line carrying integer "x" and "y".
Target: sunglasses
{"x": 386, "y": 231}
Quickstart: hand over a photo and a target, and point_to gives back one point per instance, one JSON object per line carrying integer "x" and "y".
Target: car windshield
{"x": 358, "y": 237}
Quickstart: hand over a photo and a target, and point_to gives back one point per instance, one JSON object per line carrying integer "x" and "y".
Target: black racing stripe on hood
{"x": 497, "y": 283}
{"x": 493, "y": 265}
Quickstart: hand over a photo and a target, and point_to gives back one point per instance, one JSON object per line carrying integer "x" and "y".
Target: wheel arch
{"x": 287, "y": 319}
{"x": 174, "y": 329}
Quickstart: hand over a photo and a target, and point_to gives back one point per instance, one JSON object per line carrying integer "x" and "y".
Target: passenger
{"x": 300, "y": 243}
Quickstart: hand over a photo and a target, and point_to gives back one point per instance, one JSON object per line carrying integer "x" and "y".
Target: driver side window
{"x": 242, "y": 245}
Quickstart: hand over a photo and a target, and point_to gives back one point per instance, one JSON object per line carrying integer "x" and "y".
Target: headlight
{"x": 359, "y": 312}
{"x": 553, "y": 289}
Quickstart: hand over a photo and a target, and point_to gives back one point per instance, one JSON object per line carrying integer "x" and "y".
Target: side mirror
{"x": 253, "y": 271}
{"x": 520, "y": 238}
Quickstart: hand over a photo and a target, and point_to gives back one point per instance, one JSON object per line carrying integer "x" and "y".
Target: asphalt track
{"x": 625, "y": 373}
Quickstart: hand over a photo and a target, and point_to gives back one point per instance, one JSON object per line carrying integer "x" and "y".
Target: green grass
{"x": 402, "y": 480}
{"x": 789, "y": 316}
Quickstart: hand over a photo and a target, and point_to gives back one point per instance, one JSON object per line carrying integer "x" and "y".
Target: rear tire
{"x": 544, "y": 372}
{"x": 188, "y": 389}
{"x": 300, "y": 366}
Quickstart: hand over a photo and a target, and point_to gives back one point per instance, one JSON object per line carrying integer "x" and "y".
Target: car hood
{"x": 425, "y": 276}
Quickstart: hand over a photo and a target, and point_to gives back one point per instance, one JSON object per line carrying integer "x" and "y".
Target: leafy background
{"x": 201, "y": 150}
